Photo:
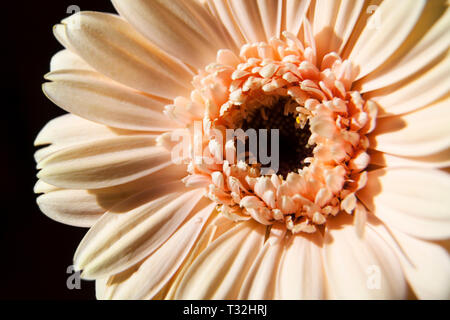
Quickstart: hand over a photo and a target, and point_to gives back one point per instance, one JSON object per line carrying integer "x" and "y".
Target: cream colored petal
{"x": 414, "y": 201}
{"x": 249, "y": 19}
{"x": 261, "y": 280}
{"x": 414, "y": 94}
{"x": 59, "y": 31}
{"x": 42, "y": 187}
{"x": 103, "y": 163}
{"x": 271, "y": 14}
{"x": 377, "y": 42}
{"x": 69, "y": 130}
{"x": 333, "y": 23}
{"x": 158, "y": 268}
{"x": 295, "y": 12}
{"x": 436, "y": 160}
{"x": 219, "y": 271}
{"x": 420, "y": 53}
{"x": 94, "y": 97}
{"x": 416, "y": 134}
{"x": 349, "y": 12}
{"x": 66, "y": 60}
{"x": 115, "y": 49}
{"x": 325, "y": 13}
{"x": 83, "y": 207}
{"x": 223, "y": 13}
{"x": 204, "y": 240}
{"x": 131, "y": 230}
{"x": 108, "y": 288}
{"x": 301, "y": 274}
{"x": 426, "y": 264}
{"x": 360, "y": 268}
{"x": 184, "y": 29}
{"x": 101, "y": 288}
{"x": 73, "y": 207}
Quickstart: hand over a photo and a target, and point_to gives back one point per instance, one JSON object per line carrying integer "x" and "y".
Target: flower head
{"x": 174, "y": 107}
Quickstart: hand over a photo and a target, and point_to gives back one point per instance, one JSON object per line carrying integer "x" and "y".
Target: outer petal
{"x": 417, "y": 54}
{"x": 420, "y": 133}
{"x": 131, "y": 230}
{"x": 92, "y": 96}
{"x": 73, "y": 207}
{"x": 360, "y": 268}
{"x": 219, "y": 271}
{"x": 181, "y": 28}
{"x": 333, "y": 23}
{"x": 69, "y": 130}
{"x": 223, "y": 13}
{"x": 66, "y": 60}
{"x": 84, "y": 207}
{"x": 247, "y": 16}
{"x": 414, "y": 201}
{"x": 436, "y": 160}
{"x": 426, "y": 264}
{"x": 301, "y": 275}
{"x": 262, "y": 278}
{"x": 158, "y": 268}
{"x": 373, "y": 46}
{"x": 411, "y": 95}
{"x": 295, "y": 12}
{"x": 114, "y": 48}
{"x": 103, "y": 163}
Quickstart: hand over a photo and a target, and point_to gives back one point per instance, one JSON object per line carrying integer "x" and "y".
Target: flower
{"x": 359, "y": 207}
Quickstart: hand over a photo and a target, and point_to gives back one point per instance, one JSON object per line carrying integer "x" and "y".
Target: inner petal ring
{"x": 323, "y": 125}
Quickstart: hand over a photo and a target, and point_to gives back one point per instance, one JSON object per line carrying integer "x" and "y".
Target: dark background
{"x": 34, "y": 250}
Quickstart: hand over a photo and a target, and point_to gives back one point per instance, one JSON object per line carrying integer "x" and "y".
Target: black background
{"x": 34, "y": 250}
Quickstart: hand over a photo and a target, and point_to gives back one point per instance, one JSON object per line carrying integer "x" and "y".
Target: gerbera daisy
{"x": 358, "y": 206}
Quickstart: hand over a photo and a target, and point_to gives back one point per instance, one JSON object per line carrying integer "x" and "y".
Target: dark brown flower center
{"x": 293, "y": 140}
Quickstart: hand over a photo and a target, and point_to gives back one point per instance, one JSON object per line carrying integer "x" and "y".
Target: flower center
{"x": 292, "y": 146}
{"x": 322, "y": 134}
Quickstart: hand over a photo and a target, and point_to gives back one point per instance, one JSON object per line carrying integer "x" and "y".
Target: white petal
{"x": 94, "y": 97}
{"x": 184, "y": 29}
{"x": 132, "y": 230}
{"x": 84, "y": 207}
{"x": 420, "y": 133}
{"x": 103, "y": 163}
{"x": 219, "y": 271}
{"x": 436, "y": 160}
{"x": 376, "y": 43}
{"x": 247, "y": 16}
{"x": 223, "y": 13}
{"x": 157, "y": 269}
{"x": 271, "y": 13}
{"x": 426, "y": 264}
{"x": 42, "y": 187}
{"x": 414, "y": 201}
{"x": 114, "y": 48}
{"x": 295, "y": 12}
{"x": 426, "y": 49}
{"x": 73, "y": 207}
{"x": 261, "y": 280}
{"x": 333, "y": 23}
{"x": 416, "y": 93}
{"x": 360, "y": 268}
{"x": 205, "y": 239}
{"x": 66, "y": 60}
{"x": 69, "y": 130}
{"x": 301, "y": 271}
